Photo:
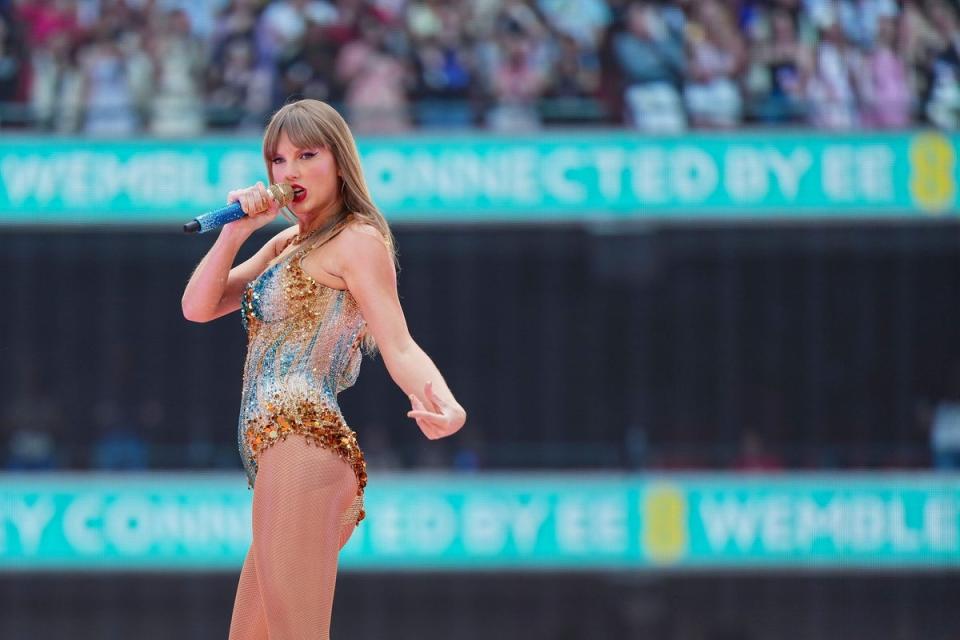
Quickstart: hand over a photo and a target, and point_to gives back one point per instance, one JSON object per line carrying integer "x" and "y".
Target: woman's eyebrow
{"x": 296, "y": 150}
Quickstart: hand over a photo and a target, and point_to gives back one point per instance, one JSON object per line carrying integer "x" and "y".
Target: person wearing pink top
{"x": 376, "y": 82}
{"x": 885, "y": 86}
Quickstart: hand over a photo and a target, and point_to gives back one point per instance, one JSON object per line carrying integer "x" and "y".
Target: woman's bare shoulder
{"x": 360, "y": 242}
{"x": 358, "y": 233}
{"x": 362, "y": 227}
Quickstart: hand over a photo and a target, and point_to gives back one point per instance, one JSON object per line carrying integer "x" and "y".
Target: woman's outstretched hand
{"x": 437, "y": 419}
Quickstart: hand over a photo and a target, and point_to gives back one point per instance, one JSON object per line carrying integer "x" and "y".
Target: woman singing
{"x": 312, "y": 298}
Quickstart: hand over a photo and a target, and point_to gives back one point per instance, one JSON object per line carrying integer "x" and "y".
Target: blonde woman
{"x": 312, "y": 298}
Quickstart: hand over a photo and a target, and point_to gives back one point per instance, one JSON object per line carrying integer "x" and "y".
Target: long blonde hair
{"x": 312, "y": 123}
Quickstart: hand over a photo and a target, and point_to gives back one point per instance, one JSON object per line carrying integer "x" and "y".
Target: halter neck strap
{"x": 309, "y": 243}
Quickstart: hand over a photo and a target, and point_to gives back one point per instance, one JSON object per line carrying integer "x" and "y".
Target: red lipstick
{"x": 299, "y": 193}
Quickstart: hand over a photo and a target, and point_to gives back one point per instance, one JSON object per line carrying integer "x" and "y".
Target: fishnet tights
{"x": 304, "y": 511}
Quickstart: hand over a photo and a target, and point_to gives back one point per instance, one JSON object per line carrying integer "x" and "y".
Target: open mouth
{"x": 299, "y": 193}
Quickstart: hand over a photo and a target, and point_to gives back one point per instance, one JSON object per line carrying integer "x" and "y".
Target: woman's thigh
{"x": 297, "y": 480}
{"x": 300, "y": 497}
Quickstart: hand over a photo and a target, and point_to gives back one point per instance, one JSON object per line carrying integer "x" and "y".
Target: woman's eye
{"x": 277, "y": 160}
{"x": 308, "y": 154}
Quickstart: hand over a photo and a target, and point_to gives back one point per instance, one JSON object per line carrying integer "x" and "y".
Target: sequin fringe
{"x": 321, "y": 426}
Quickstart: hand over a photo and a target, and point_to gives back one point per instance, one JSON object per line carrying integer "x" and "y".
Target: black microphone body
{"x": 282, "y": 193}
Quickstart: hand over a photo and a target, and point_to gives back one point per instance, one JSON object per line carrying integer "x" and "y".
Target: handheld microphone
{"x": 282, "y": 194}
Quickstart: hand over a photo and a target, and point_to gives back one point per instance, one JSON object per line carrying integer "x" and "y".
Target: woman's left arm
{"x": 368, "y": 270}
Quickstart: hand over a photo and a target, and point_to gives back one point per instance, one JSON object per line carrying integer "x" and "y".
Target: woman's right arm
{"x": 214, "y": 288}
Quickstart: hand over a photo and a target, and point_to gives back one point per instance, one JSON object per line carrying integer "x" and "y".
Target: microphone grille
{"x": 282, "y": 193}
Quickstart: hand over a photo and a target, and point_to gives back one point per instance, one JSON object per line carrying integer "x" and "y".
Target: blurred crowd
{"x": 37, "y": 433}
{"x": 179, "y": 67}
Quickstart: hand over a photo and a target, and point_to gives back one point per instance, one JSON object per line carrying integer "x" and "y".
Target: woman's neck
{"x": 328, "y": 216}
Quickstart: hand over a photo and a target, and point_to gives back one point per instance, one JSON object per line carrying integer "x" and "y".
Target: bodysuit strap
{"x": 316, "y": 245}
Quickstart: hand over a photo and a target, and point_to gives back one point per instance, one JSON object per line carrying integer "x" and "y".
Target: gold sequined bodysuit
{"x": 304, "y": 347}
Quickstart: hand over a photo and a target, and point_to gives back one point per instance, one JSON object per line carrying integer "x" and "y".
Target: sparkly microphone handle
{"x": 282, "y": 193}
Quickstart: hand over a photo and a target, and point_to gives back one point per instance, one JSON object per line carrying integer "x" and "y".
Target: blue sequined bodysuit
{"x": 303, "y": 348}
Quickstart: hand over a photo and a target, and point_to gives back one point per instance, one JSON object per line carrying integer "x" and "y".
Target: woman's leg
{"x": 348, "y": 522}
{"x": 301, "y": 496}
{"x": 248, "y": 621}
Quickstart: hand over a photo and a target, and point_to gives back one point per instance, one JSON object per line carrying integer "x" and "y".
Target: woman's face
{"x": 782, "y": 28}
{"x": 886, "y": 31}
{"x": 312, "y": 172}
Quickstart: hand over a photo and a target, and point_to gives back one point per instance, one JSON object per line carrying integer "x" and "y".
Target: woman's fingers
{"x": 420, "y": 405}
{"x": 429, "y": 430}
{"x": 434, "y": 423}
{"x": 253, "y": 200}
{"x": 258, "y": 197}
{"x": 248, "y": 201}
{"x": 429, "y": 415}
{"x": 264, "y": 199}
{"x": 430, "y": 426}
{"x": 427, "y": 423}
{"x": 422, "y": 411}
{"x": 432, "y": 397}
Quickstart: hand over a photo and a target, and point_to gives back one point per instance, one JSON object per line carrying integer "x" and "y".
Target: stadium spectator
{"x": 443, "y": 65}
{"x": 918, "y": 40}
{"x": 142, "y": 71}
{"x": 239, "y": 90}
{"x": 283, "y": 26}
{"x": 31, "y": 449}
{"x": 574, "y": 83}
{"x": 717, "y": 55}
{"x": 518, "y": 80}
{"x": 830, "y": 91}
{"x": 885, "y": 85}
{"x": 237, "y": 19}
{"x": 582, "y": 20}
{"x": 119, "y": 444}
{"x": 510, "y": 64}
{"x": 32, "y": 421}
{"x": 12, "y": 63}
{"x": 47, "y": 19}
{"x": 779, "y": 61}
{"x": 177, "y": 107}
{"x": 859, "y": 19}
{"x": 944, "y": 424}
{"x": 310, "y": 71}
{"x": 375, "y": 81}
{"x": 109, "y": 106}
{"x": 754, "y": 454}
{"x": 427, "y": 20}
{"x": 651, "y": 58}
{"x": 468, "y": 452}
{"x": 943, "y": 104}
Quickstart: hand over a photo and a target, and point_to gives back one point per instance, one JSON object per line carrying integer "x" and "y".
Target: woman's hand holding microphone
{"x": 258, "y": 205}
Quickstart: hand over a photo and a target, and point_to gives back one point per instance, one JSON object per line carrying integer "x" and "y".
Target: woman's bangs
{"x": 302, "y": 130}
